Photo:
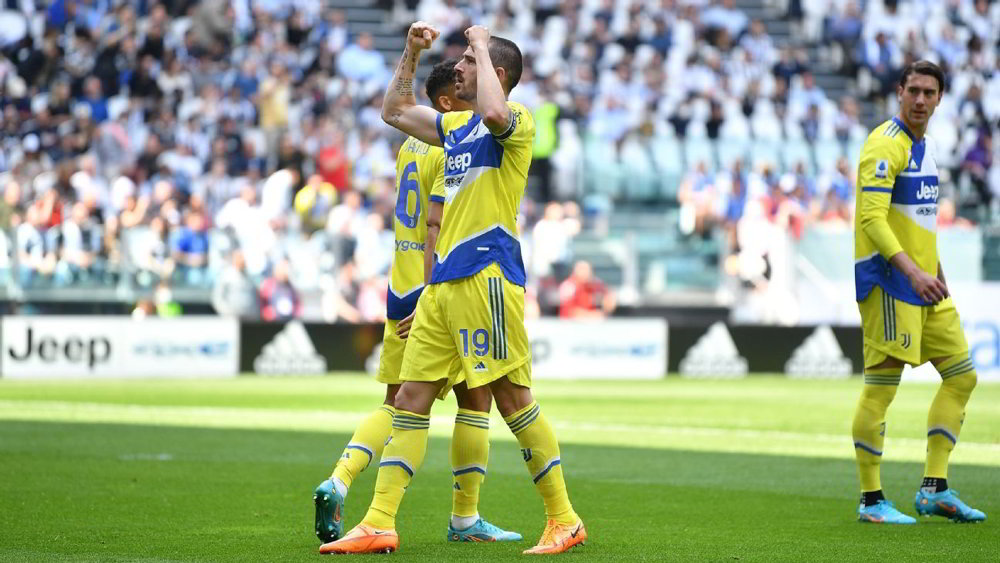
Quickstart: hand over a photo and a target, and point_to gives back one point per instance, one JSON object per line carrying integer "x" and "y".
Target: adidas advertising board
{"x": 819, "y": 357}
{"x": 714, "y": 355}
{"x": 305, "y": 348}
{"x": 599, "y": 348}
{"x": 291, "y": 351}
{"x": 108, "y": 346}
{"x": 723, "y": 350}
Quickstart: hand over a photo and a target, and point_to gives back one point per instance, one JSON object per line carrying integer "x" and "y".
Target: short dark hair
{"x": 505, "y": 54}
{"x": 441, "y": 76}
{"x": 923, "y": 67}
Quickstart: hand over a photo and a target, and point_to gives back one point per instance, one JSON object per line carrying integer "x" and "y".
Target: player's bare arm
{"x": 929, "y": 288}
{"x": 490, "y": 97}
{"x": 399, "y": 107}
{"x": 435, "y": 210}
{"x": 434, "y": 213}
{"x": 940, "y": 275}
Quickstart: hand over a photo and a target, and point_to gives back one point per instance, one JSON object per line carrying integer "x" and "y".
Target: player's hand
{"x": 421, "y": 35}
{"x": 478, "y": 36}
{"x": 928, "y": 287}
{"x": 403, "y": 326}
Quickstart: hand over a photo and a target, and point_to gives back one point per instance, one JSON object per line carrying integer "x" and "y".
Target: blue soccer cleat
{"x": 482, "y": 531}
{"x": 946, "y": 503}
{"x": 883, "y": 512}
{"x": 329, "y": 509}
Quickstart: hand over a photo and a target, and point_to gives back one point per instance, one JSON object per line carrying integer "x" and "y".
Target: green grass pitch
{"x": 675, "y": 470}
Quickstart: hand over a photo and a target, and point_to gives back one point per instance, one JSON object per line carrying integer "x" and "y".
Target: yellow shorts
{"x": 477, "y": 321}
{"x": 911, "y": 333}
{"x": 391, "y": 359}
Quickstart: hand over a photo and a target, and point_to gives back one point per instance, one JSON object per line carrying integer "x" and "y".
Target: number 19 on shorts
{"x": 480, "y": 341}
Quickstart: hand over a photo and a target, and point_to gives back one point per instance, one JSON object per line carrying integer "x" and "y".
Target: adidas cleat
{"x": 481, "y": 531}
{"x": 363, "y": 539}
{"x": 883, "y": 512}
{"x": 558, "y": 538}
{"x": 329, "y": 510}
{"x": 946, "y": 503}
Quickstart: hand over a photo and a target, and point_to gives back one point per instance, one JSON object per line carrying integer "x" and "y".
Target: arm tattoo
{"x": 404, "y": 86}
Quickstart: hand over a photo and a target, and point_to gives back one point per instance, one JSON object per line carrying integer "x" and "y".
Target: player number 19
{"x": 480, "y": 341}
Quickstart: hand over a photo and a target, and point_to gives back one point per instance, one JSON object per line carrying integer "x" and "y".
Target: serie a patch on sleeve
{"x": 882, "y": 168}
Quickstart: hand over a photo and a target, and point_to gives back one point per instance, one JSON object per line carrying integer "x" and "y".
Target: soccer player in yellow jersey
{"x": 473, "y": 310}
{"x": 907, "y": 314}
{"x": 419, "y": 202}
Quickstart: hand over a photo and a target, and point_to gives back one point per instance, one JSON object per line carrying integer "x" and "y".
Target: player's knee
{"x": 390, "y": 394}
{"x": 416, "y": 397}
{"x": 478, "y": 399}
{"x": 510, "y": 397}
{"x": 964, "y": 383}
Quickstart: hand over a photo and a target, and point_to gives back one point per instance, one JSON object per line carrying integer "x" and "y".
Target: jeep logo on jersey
{"x": 459, "y": 161}
{"x": 927, "y": 191}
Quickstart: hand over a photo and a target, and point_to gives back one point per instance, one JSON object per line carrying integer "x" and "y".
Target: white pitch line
{"x": 330, "y": 420}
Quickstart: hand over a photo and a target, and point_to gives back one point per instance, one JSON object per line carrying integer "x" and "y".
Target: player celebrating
{"x": 419, "y": 202}
{"x": 472, "y": 311}
{"x": 907, "y": 314}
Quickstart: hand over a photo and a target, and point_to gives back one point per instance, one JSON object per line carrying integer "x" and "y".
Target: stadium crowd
{"x": 238, "y": 144}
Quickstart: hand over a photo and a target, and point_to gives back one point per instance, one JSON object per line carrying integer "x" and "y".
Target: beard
{"x": 464, "y": 94}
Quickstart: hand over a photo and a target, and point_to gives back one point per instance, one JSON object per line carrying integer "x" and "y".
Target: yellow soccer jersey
{"x": 896, "y": 210}
{"x": 418, "y": 168}
{"x": 484, "y": 179}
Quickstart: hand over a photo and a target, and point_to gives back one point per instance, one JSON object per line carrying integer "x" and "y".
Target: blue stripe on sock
{"x": 370, "y": 453}
{"x": 867, "y": 448}
{"x": 464, "y": 470}
{"x": 942, "y": 432}
{"x": 397, "y": 463}
{"x": 548, "y": 468}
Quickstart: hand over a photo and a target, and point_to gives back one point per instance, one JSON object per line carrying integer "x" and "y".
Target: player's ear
{"x": 445, "y": 103}
{"x": 502, "y": 75}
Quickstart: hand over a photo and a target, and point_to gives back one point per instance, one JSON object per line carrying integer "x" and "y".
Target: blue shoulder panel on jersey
{"x": 471, "y": 256}
{"x": 440, "y": 130}
{"x": 398, "y": 308}
{"x": 878, "y": 271}
{"x": 456, "y": 135}
{"x": 902, "y": 126}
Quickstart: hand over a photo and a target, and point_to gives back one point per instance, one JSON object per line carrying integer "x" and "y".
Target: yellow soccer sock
{"x": 541, "y": 453}
{"x": 400, "y": 460}
{"x": 944, "y": 421}
{"x": 470, "y": 451}
{"x": 869, "y": 423}
{"x": 366, "y": 445}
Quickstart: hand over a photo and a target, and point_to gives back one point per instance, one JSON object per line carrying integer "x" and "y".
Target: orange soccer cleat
{"x": 558, "y": 538}
{"x": 363, "y": 539}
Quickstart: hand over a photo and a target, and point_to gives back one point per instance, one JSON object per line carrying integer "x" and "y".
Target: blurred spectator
{"x": 279, "y": 300}
{"x": 190, "y": 250}
{"x": 582, "y": 295}
{"x": 976, "y": 164}
{"x": 882, "y": 57}
{"x": 360, "y": 61}
{"x": 234, "y": 294}
{"x": 81, "y": 240}
{"x": 151, "y": 253}
{"x": 340, "y": 296}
